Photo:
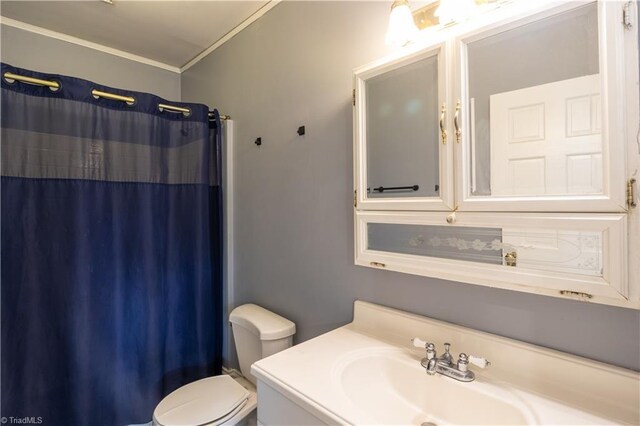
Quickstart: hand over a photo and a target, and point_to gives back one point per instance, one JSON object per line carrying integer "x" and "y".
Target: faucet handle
{"x": 463, "y": 362}
{"x": 431, "y": 351}
{"x": 430, "y": 355}
{"x": 419, "y": 343}
{"x": 479, "y": 361}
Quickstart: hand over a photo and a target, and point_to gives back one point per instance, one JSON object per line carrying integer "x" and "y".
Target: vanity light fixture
{"x": 448, "y": 12}
{"x": 402, "y": 29}
{"x": 453, "y": 11}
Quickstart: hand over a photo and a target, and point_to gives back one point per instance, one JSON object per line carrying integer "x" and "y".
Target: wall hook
{"x": 301, "y": 131}
{"x": 258, "y": 141}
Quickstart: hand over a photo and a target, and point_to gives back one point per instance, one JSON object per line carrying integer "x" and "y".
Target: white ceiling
{"x": 171, "y": 32}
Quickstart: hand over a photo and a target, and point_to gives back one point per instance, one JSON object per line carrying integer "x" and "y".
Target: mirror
{"x": 535, "y": 109}
{"x": 402, "y": 133}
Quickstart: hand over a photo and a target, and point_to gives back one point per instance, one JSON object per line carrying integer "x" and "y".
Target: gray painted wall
{"x": 294, "y": 195}
{"x": 39, "y": 53}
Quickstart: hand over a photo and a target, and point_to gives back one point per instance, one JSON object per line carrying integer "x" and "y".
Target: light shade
{"x": 451, "y": 11}
{"x": 402, "y": 29}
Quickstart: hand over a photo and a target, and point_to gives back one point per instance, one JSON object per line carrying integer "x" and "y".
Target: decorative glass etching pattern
{"x": 460, "y": 244}
{"x": 572, "y": 252}
{"x": 445, "y": 242}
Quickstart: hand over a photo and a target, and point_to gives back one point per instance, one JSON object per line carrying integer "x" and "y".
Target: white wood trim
{"x": 613, "y": 95}
{"x": 228, "y": 36}
{"x": 228, "y": 226}
{"x": 576, "y": 203}
{"x": 445, "y": 201}
{"x": 610, "y": 289}
{"x": 88, "y": 44}
{"x": 632, "y": 80}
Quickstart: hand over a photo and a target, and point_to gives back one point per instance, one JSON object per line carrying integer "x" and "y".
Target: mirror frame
{"x": 612, "y": 72}
{"x": 361, "y": 75}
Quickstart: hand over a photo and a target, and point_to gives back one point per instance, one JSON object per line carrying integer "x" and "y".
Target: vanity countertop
{"x": 369, "y": 372}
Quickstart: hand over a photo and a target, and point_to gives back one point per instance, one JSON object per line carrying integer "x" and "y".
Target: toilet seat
{"x": 213, "y": 400}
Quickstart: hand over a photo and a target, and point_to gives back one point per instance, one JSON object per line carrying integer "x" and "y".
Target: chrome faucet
{"x": 445, "y": 365}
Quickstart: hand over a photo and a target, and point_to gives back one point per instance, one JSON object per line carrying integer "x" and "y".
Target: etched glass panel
{"x": 402, "y": 131}
{"x": 573, "y": 252}
{"x": 535, "y": 108}
{"x": 445, "y": 242}
{"x": 565, "y": 251}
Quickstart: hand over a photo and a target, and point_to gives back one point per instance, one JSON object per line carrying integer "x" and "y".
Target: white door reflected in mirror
{"x": 547, "y": 140}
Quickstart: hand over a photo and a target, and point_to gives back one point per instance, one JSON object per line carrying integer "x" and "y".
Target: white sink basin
{"x": 389, "y": 387}
{"x": 369, "y": 373}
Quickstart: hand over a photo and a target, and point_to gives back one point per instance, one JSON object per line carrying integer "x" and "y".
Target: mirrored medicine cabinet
{"x": 499, "y": 152}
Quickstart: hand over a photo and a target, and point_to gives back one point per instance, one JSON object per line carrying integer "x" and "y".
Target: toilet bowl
{"x": 217, "y": 400}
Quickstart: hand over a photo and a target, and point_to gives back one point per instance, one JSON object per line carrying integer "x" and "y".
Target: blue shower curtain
{"x": 111, "y": 252}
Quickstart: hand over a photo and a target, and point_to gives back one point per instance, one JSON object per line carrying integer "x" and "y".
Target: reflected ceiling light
{"x": 402, "y": 29}
{"x": 452, "y": 11}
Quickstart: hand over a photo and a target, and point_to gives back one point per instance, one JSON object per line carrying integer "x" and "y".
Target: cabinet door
{"x": 402, "y": 156}
{"x": 580, "y": 256}
{"x": 542, "y": 112}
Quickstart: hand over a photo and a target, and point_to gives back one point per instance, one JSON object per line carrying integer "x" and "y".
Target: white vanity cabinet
{"x": 501, "y": 152}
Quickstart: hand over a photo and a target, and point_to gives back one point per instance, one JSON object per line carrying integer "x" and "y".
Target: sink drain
{"x": 428, "y": 424}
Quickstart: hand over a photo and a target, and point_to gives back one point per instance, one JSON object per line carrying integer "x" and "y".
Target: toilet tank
{"x": 258, "y": 333}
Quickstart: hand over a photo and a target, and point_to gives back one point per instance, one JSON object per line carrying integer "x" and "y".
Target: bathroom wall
{"x": 25, "y": 49}
{"x": 294, "y": 195}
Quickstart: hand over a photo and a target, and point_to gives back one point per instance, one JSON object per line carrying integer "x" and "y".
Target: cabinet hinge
{"x": 626, "y": 16}
{"x": 631, "y": 202}
{"x": 353, "y": 96}
{"x": 355, "y": 198}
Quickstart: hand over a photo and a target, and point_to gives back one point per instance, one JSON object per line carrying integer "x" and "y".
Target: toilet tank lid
{"x": 261, "y": 322}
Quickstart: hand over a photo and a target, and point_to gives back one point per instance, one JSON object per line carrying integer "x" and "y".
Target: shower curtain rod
{"x": 100, "y": 94}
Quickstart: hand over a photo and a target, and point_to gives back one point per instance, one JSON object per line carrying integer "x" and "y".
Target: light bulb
{"x": 451, "y": 11}
{"x": 402, "y": 29}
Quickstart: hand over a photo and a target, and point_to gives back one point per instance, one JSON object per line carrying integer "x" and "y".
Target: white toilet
{"x": 220, "y": 400}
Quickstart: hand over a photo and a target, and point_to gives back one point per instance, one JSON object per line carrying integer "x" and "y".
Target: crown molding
{"x": 141, "y": 59}
{"x": 84, "y": 43}
{"x": 244, "y": 24}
